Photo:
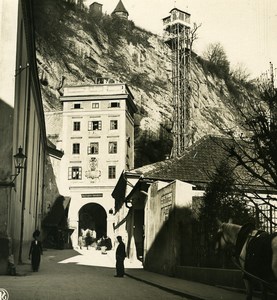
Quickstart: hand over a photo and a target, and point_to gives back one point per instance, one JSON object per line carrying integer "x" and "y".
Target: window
{"x": 76, "y": 126}
{"x": 113, "y": 124}
{"x": 94, "y": 105}
{"x": 76, "y": 148}
{"x": 174, "y": 16}
{"x": 112, "y": 147}
{"x": 77, "y": 105}
{"x": 114, "y": 104}
{"x": 94, "y": 125}
{"x": 93, "y": 148}
{"x": 112, "y": 172}
{"x": 74, "y": 173}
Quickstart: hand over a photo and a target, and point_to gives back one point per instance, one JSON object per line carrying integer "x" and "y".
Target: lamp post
{"x": 19, "y": 159}
{"x": 19, "y": 162}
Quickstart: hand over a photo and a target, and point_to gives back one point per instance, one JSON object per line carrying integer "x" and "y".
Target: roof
{"x": 194, "y": 166}
{"x": 96, "y": 3}
{"x": 198, "y": 164}
{"x": 120, "y": 8}
{"x": 53, "y": 151}
{"x": 180, "y": 11}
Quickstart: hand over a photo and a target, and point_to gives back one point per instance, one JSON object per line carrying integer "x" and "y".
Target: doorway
{"x": 93, "y": 216}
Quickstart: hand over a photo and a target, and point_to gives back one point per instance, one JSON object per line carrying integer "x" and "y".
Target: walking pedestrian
{"x": 35, "y": 251}
{"x": 120, "y": 255}
{"x": 80, "y": 241}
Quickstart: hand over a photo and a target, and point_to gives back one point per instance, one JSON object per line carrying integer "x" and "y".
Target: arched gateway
{"x": 90, "y": 215}
{"x": 93, "y": 216}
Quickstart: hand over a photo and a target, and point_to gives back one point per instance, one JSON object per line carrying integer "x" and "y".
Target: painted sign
{"x": 96, "y": 195}
{"x": 166, "y": 199}
{"x": 166, "y": 205}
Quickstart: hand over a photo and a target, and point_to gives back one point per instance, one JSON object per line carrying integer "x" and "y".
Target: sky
{"x": 247, "y": 29}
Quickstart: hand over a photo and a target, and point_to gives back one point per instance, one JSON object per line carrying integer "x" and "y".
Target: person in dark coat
{"x": 35, "y": 251}
{"x": 120, "y": 255}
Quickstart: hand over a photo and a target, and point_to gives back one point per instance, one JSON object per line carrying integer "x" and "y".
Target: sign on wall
{"x": 96, "y": 195}
{"x": 166, "y": 205}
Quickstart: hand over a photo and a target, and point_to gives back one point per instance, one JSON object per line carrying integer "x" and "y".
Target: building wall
{"x": 129, "y": 143}
{"x": 165, "y": 214}
{"x": 6, "y": 115}
{"x": 95, "y": 8}
{"x": 86, "y": 104}
{"x": 121, "y": 14}
{"x": 25, "y": 126}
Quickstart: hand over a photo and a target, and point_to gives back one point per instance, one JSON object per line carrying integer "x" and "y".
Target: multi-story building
{"x": 98, "y": 144}
{"x": 22, "y": 130}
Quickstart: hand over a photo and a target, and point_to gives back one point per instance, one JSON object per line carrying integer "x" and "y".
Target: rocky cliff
{"x": 74, "y": 47}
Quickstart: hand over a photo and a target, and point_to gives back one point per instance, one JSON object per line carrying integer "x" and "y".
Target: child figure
{"x": 35, "y": 251}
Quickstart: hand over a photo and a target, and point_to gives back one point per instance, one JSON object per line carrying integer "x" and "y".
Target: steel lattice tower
{"x": 177, "y": 38}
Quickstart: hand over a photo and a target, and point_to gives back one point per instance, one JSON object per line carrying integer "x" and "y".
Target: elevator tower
{"x": 177, "y": 37}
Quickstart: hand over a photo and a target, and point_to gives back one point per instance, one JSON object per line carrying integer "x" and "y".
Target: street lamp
{"x": 19, "y": 162}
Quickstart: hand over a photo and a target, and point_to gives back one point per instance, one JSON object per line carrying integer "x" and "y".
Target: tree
{"x": 240, "y": 73}
{"x": 194, "y": 33}
{"x": 221, "y": 201}
{"x": 254, "y": 145}
{"x": 216, "y": 55}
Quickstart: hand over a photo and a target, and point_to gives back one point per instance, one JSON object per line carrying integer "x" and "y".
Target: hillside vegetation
{"x": 74, "y": 47}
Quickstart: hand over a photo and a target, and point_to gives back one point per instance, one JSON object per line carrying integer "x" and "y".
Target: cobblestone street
{"x": 66, "y": 274}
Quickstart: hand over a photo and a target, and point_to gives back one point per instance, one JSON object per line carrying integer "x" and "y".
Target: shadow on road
{"x": 92, "y": 257}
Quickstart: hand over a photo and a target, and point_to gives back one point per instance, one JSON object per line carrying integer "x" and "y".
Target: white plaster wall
{"x": 8, "y": 39}
{"x": 184, "y": 194}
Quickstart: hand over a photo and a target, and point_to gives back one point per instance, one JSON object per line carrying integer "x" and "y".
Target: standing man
{"x": 35, "y": 251}
{"x": 120, "y": 255}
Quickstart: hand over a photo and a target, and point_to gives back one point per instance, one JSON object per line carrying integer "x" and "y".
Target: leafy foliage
{"x": 221, "y": 201}
{"x": 49, "y": 14}
{"x": 115, "y": 29}
{"x": 218, "y": 62}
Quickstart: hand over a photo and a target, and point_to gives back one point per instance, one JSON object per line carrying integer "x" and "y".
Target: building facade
{"x": 98, "y": 143}
{"x": 22, "y": 125}
{"x": 154, "y": 205}
{"x": 96, "y": 8}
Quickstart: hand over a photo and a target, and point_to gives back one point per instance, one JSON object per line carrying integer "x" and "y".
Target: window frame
{"x": 77, "y": 105}
{"x": 76, "y": 146}
{"x": 114, "y": 104}
{"x": 95, "y": 105}
{"x": 115, "y": 122}
{"x": 76, "y": 169}
{"x": 111, "y": 172}
{"x": 75, "y": 127}
{"x": 113, "y": 147}
{"x": 90, "y": 147}
{"x": 90, "y": 125}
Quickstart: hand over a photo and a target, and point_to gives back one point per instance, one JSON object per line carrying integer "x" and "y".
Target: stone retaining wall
{"x": 218, "y": 277}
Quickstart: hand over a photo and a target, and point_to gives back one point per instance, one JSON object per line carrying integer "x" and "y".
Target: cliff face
{"x": 74, "y": 47}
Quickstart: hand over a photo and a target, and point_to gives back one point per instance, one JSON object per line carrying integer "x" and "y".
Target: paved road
{"x": 67, "y": 274}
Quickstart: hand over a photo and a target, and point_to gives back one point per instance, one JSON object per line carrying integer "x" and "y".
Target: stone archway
{"x": 94, "y": 217}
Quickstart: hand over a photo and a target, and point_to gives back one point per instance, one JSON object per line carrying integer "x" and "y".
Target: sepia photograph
{"x": 138, "y": 149}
